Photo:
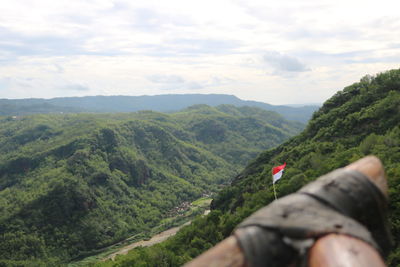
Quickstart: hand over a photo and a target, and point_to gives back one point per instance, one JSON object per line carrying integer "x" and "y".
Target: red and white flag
{"x": 277, "y": 172}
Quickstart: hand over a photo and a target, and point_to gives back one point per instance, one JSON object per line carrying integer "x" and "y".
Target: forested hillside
{"x": 362, "y": 119}
{"x": 162, "y": 103}
{"x": 74, "y": 183}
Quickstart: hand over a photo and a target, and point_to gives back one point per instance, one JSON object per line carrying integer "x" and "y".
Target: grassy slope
{"x": 362, "y": 119}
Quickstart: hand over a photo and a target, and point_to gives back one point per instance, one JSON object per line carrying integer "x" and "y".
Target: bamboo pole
{"x": 329, "y": 251}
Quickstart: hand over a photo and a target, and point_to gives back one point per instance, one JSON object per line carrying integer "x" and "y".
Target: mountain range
{"x": 161, "y": 103}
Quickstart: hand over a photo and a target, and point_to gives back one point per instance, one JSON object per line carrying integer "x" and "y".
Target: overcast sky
{"x": 279, "y": 52}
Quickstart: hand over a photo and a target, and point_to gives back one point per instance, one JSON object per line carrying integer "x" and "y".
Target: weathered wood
{"x": 339, "y": 250}
{"x": 224, "y": 254}
{"x": 329, "y": 251}
{"x": 372, "y": 167}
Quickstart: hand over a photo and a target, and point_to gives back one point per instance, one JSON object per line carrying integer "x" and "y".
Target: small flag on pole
{"x": 277, "y": 172}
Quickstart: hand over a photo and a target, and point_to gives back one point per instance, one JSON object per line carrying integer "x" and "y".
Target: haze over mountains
{"x": 162, "y": 103}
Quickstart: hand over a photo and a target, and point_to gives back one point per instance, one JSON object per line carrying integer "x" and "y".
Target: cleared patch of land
{"x": 183, "y": 216}
{"x": 146, "y": 243}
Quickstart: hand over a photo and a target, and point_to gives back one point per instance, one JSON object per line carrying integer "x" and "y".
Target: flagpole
{"x": 277, "y": 173}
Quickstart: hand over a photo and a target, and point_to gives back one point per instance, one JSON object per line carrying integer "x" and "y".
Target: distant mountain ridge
{"x": 161, "y": 103}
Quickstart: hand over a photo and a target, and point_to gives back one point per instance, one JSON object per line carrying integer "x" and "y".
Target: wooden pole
{"x": 339, "y": 250}
{"x": 329, "y": 251}
{"x": 224, "y": 254}
{"x": 372, "y": 167}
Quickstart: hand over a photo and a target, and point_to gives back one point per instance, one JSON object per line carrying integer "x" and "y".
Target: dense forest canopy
{"x": 70, "y": 184}
{"x": 362, "y": 119}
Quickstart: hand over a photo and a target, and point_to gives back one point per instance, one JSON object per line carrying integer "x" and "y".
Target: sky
{"x": 278, "y": 52}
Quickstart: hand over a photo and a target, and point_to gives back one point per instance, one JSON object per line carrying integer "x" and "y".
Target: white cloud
{"x": 284, "y": 63}
{"x": 166, "y": 79}
{"x": 76, "y": 87}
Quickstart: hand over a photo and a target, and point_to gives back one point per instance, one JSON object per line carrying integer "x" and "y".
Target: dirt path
{"x": 146, "y": 243}
{"x": 158, "y": 238}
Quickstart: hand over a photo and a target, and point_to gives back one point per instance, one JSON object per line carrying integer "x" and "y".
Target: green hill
{"x": 362, "y": 119}
{"x": 70, "y": 184}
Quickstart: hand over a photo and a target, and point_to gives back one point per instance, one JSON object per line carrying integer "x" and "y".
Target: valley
{"x": 74, "y": 184}
{"x": 181, "y": 216}
{"x": 71, "y": 184}
{"x": 142, "y": 133}
{"x": 362, "y": 119}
